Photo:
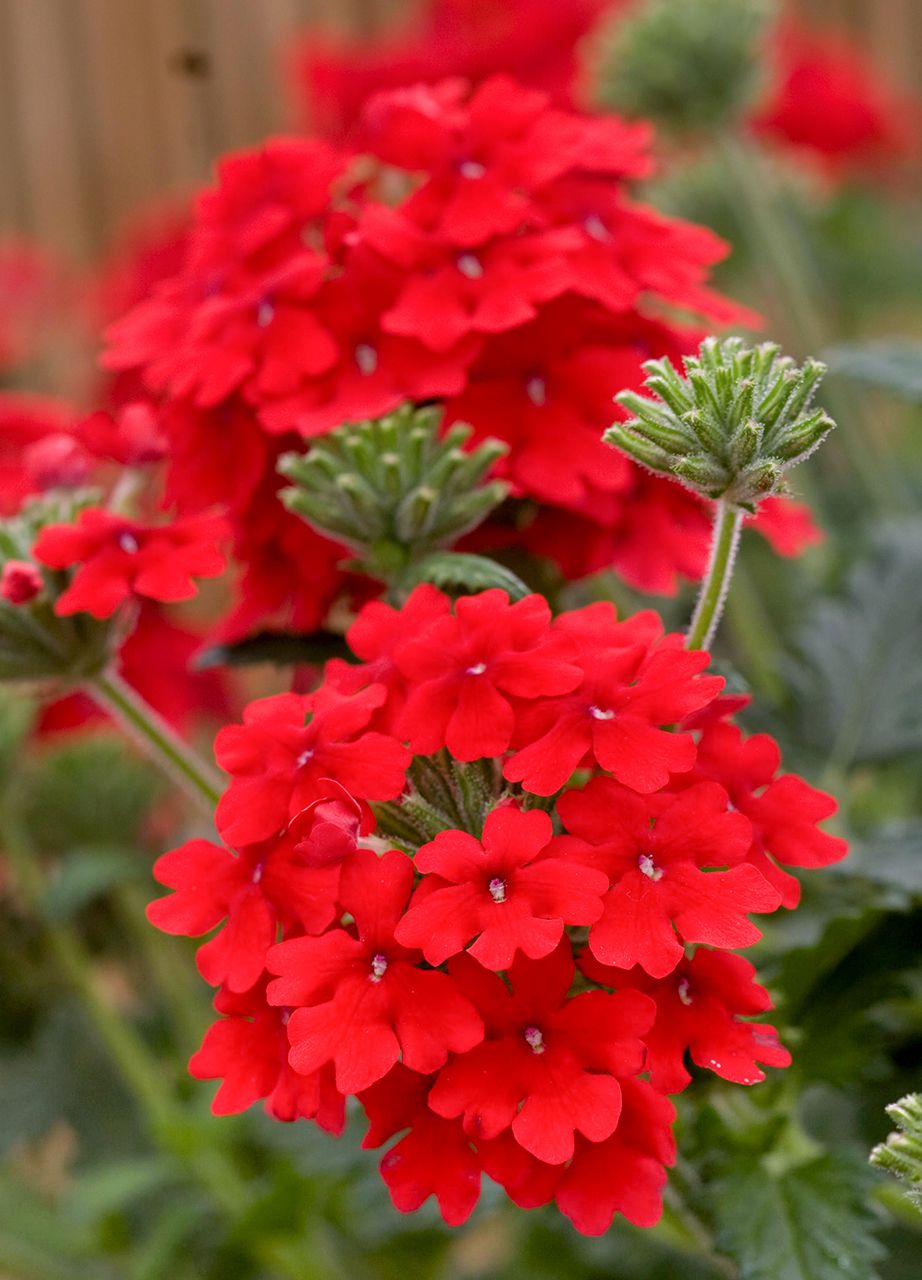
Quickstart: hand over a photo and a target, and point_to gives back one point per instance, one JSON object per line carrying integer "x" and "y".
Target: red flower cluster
{"x": 534, "y": 40}
{"x": 514, "y": 280}
{"x": 829, "y": 104}
{"x": 489, "y": 880}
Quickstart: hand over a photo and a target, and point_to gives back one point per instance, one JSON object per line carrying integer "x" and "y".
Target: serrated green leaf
{"x": 893, "y": 364}
{"x": 891, "y": 858}
{"x": 453, "y": 569}
{"x": 280, "y": 648}
{"x": 857, "y": 683}
{"x": 809, "y": 1222}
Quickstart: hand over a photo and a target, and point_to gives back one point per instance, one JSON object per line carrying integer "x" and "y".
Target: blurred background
{"x": 107, "y": 104}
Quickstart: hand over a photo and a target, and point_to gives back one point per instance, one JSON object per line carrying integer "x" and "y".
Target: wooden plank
{"x": 43, "y": 108}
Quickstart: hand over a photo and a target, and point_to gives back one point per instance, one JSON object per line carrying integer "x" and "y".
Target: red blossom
{"x": 360, "y": 1001}
{"x": 253, "y": 891}
{"x": 784, "y": 810}
{"x": 549, "y": 1065}
{"x": 248, "y": 1051}
{"x": 120, "y": 559}
{"x": 513, "y": 891}
{"x": 700, "y": 1009}
{"x": 287, "y": 749}
{"x": 434, "y": 1158}
{"x": 614, "y": 717}
{"x": 467, "y": 668}
{"x": 674, "y": 863}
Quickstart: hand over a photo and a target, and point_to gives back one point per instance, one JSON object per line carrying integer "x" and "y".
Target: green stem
{"x": 157, "y": 738}
{"x": 728, "y": 522}
{"x": 777, "y": 243}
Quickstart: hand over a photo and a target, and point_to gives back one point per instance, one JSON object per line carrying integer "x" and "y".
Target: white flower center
{"x": 600, "y": 713}
{"x": 366, "y": 358}
{"x": 470, "y": 265}
{"x": 304, "y": 758}
{"x": 497, "y": 889}
{"x": 378, "y": 968}
{"x": 535, "y": 1040}
{"x": 536, "y": 390}
{"x": 477, "y": 669}
{"x": 265, "y": 314}
{"x": 649, "y": 867}
{"x": 471, "y": 169}
{"x": 596, "y": 228}
{"x": 683, "y": 991}
{"x": 128, "y": 543}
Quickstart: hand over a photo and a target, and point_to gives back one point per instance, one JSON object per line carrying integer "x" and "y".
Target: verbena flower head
{"x": 489, "y": 878}
{"x": 732, "y": 427}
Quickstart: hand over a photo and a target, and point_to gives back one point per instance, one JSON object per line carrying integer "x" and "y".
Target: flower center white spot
{"x": 128, "y": 542}
{"x": 600, "y": 713}
{"x": 477, "y": 669}
{"x": 378, "y": 968}
{"x": 469, "y": 265}
{"x": 265, "y": 314}
{"x": 683, "y": 992}
{"x": 304, "y": 758}
{"x": 257, "y": 873}
{"x": 497, "y": 889}
{"x": 366, "y": 358}
{"x": 596, "y": 228}
{"x": 536, "y": 390}
{"x": 649, "y": 867}
{"x": 535, "y": 1040}
{"x": 471, "y": 169}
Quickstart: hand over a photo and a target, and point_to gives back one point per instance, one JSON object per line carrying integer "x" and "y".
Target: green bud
{"x": 394, "y": 489}
{"x": 748, "y": 420}
{"x": 690, "y": 66}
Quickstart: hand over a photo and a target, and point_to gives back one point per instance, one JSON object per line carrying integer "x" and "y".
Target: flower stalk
{"x": 728, "y": 524}
{"x": 157, "y": 739}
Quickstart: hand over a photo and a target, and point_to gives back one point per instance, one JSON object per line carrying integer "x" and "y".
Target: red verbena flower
{"x": 467, "y": 668}
{"x": 247, "y": 1050}
{"x": 677, "y": 870}
{"x": 614, "y": 717}
{"x": 784, "y": 810}
{"x": 359, "y": 1000}
{"x": 288, "y": 748}
{"x": 699, "y": 1010}
{"x": 253, "y": 891}
{"x": 120, "y": 559}
{"x": 513, "y": 890}
{"x": 548, "y": 1066}
{"x": 435, "y": 1158}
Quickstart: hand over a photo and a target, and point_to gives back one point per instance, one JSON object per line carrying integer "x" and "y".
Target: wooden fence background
{"x": 107, "y": 104}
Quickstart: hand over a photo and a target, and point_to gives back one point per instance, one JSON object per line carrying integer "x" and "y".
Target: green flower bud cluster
{"x": 35, "y": 644}
{"x": 732, "y": 428}
{"x": 690, "y": 66}
{"x": 394, "y": 490}
{"x": 901, "y": 1154}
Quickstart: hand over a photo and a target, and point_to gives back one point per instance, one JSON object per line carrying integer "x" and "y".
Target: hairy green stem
{"x": 728, "y": 522}
{"x": 152, "y": 733}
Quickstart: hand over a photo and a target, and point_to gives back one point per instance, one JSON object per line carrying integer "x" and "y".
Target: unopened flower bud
{"x": 732, "y": 427}
{"x": 20, "y": 582}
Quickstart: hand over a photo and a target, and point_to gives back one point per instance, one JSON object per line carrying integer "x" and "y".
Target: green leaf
{"x": 278, "y": 647}
{"x": 893, "y": 364}
{"x": 891, "y": 858}
{"x": 857, "y": 684}
{"x": 456, "y": 569}
{"x": 809, "y": 1222}
{"x": 86, "y": 874}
